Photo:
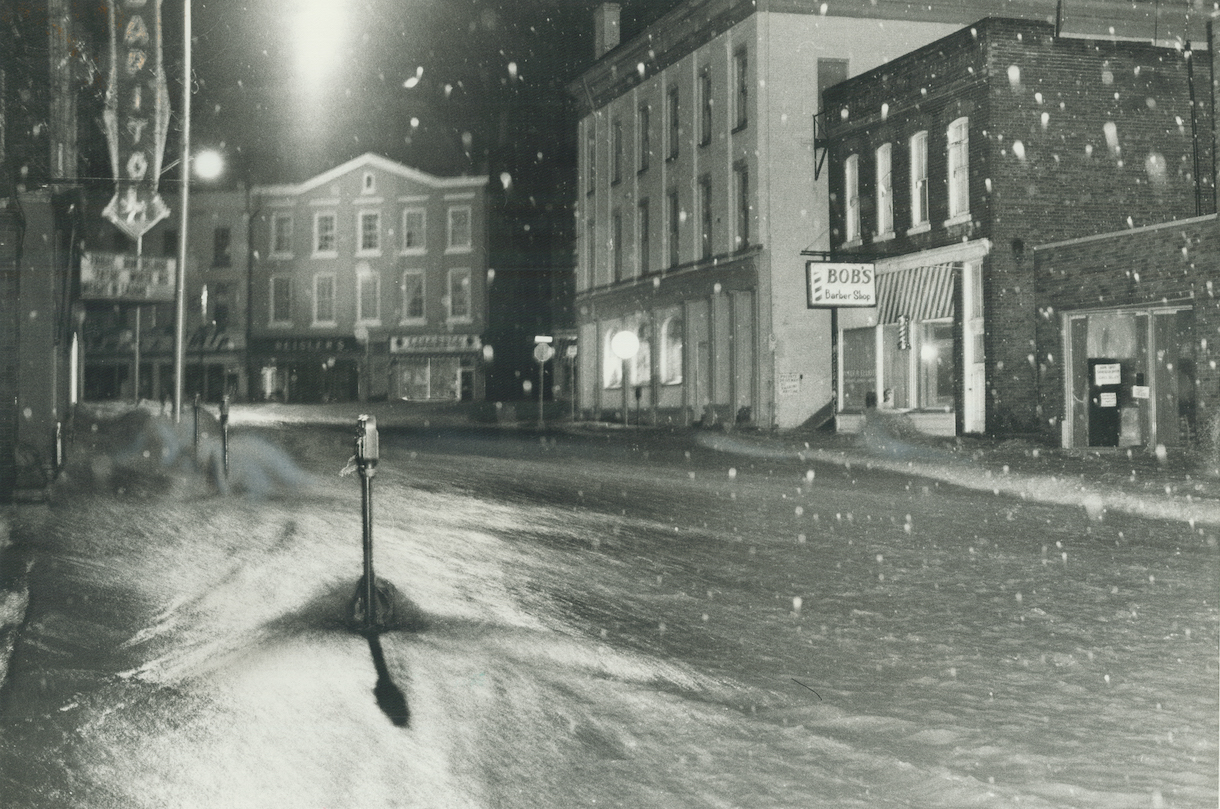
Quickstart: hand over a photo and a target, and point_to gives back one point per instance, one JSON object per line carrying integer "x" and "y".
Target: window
{"x": 936, "y": 377}
{"x": 959, "y": 168}
{"x": 641, "y": 369}
{"x": 591, "y": 154}
{"x": 221, "y": 298}
{"x": 671, "y": 351}
{"x": 851, "y": 194}
{"x": 885, "y": 190}
{"x": 459, "y": 227}
{"x": 616, "y": 144}
{"x": 413, "y": 295}
{"x": 741, "y": 177}
{"x": 370, "y": 232}
{"x": 675, "y": 128}
{"x": 675, "y": 220}
{"x": 612, "y": 366}
{"x": 459, "y": 294}
{"x": 705, "y": 216}
{"x": 859, "y": 354}
{"x": 642, "y": 228}
{"x": 370, "y": 183}
{"x": 616, "y": 246}
{"x": 281, "y": 234}
{"x": 324, "y": 234}
{"x": 590, "y": 252}
{"x": 281, "y": 299}
{"x": 169, "y": 242}
{"x": 414, "y": 221}
{"x": 324, "y": 299}
{"x": 645, "y": 125}
{"x": 705, "y": 107}
{"x": 741, "y": 80}
{"x": 222, "y": 252}
{"x": 919, "y": 179}
{"x": 369, "y": 296}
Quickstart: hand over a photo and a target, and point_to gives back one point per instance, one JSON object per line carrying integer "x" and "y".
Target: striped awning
{"x": 920, "y": 293}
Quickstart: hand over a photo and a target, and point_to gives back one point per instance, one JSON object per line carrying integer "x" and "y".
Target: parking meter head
{"x": 367, "y": 448}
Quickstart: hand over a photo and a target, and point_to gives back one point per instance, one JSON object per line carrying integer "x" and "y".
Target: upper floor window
{"x": 851, "y": 195}
{"x": 459, "y": 227}
{"x": 222, "y": 247}
{"x": 590, "y": 251}
{"x": 369, "y": 184}
{"x": 959, "y": 168}
{"x": 705, "y": 216}
{"x": 644, "y": 238}
{"x": 741, "y": 80}
{"x": 324, "y": 299}
{"x": 281, "y": 299}
{"x": 324, "y": 234}
{"x": 675, "y": 124}
{"x": 370, "y": 232}
{"x": 459, "y": 295}
{"x": 413, "y": 295}
{"x": 413, "y": 223}
{"x": 885, "y": 190}
{"x": 675, "y": 221}
{"x": 368, "y": 296}
{"x": 281, "y": 234}
{"x": 591, "y": 154}
{"x": 169, "y": 242}
{"x": 671, "y": 350}
{"x": 705, "y": 106}
{"x": 645, "y": 146}
{"x": 741, "y": 178}
{"x": 919, "y": 179}
{"x": 616, "y": 145}
{"x": 616, "y": 246}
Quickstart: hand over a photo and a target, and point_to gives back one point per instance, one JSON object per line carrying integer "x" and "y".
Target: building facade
{"x": 699, "y": 188}
{"x": 117, "y": 332}
{"x": 948, "y": 165}
{"x": 368, "y": 282}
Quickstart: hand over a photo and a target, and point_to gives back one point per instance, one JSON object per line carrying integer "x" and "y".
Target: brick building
{"x": 369, "y": 281}
{"x": 1128, "y": 335}
{"x": 948, "y": 164}
{"x": 214, "y": 348}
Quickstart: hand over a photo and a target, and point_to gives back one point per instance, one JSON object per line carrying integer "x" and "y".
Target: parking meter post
{"x": 224, "y": 432}
{"x": 196, "y": 439}
{"x": 367, "y": 451}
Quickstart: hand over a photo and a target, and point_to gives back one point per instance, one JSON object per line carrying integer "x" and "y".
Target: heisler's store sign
{"x": 832, "y": 285}
{"x": 435, "y": 343}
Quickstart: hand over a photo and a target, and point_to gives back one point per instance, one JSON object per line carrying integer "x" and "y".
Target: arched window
{"x": 641, "y": 370}
{"x": 612, "y": 366}
{"x": 671, "y": 350}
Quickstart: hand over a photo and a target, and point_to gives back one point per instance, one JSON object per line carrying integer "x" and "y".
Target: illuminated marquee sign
{"x": 832, "y": 285}
{"x": 136, "y": 115}
{"x": 117, "y": 277}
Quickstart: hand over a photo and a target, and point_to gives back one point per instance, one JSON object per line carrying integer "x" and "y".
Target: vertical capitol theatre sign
{"x": 136, "y": 116}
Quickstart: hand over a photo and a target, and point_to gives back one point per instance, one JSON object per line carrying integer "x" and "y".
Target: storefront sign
{"x": 119, "y": 277}
{"x": 1141, "y": 392}
{"x": 136, "y": 115}
{"x": 435, "y": 343}
{"x": 830, "y": 285}
{"x": 1110, "y": 373}
{"x": 1108, "y": 399}
{"x": 304, "y": 345}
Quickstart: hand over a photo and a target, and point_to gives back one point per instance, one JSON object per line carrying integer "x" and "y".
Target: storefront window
{"x": 860, "y": 369}
{"x": 671, "y": 354}
{"x": 895, "y": 370}
{"x": 937, "y": 380}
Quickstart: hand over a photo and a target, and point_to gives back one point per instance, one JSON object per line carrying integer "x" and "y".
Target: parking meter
{"x": 367, "y": 444}
{"x": 224, "y": 432}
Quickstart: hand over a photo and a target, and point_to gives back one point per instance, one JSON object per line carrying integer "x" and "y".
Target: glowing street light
{"x": 625, "y": 345}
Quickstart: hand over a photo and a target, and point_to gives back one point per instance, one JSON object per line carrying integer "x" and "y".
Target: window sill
{"x": 740, "y": 127}
{"x": 884, "y": 237}
{"x": 922, "y": 227}
{"x": 853, "y": 243}
{"x": 960, "y": 219}
{"x": 325, "y": 254}
{"x": 370, "y": 324}
{"x": 324, "y": 324}
{"x": 414, "y": 321}
{"x": 280, "y": 256}
{"x": 368, "y": 253}
{"x": 413, "y": 251}
{"x": 464, "y": 321}
{"x": 450, "y": 251}
{"x": 280, "y": 324}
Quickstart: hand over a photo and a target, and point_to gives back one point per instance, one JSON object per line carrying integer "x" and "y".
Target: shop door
{"x": 1105, "y": 391}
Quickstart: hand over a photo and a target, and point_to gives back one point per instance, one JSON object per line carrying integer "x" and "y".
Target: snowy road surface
{"x": 608, "y": 625}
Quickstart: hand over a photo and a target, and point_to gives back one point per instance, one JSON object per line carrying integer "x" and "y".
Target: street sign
{"x": 121, "y": 277}
{"x": 543, "y": 352}
{"x": 833, "y": 285}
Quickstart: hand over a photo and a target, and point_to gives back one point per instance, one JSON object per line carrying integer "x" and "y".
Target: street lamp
{"x": 625, "y": 344}
{"x": 183, "y": 202}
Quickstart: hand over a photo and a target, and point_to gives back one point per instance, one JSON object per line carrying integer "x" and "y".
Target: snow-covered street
{"x": 603, "y": 622}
